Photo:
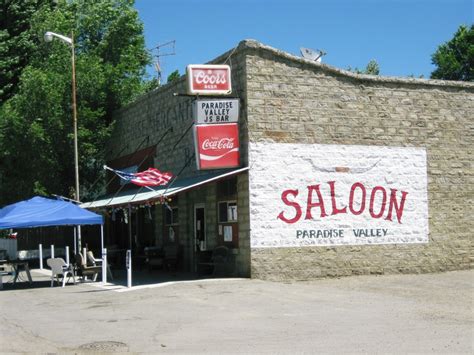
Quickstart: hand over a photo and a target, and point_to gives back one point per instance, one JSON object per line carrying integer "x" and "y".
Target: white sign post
{"x": 67, "y": 255}
{"x": 52, "y": 251}
{"x": 40, "y": 252}
{"x": 104, "y": 265}
{"x": 128, "y": 263}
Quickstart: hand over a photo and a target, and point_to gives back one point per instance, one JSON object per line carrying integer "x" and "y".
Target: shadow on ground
{"x": 42, "y": 279}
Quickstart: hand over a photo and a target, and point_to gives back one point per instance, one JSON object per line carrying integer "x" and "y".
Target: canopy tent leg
{"x": 75, "y": 241}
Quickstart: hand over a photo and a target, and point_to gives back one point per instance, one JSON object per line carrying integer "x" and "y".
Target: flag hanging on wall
{"x": 149, "y": 177}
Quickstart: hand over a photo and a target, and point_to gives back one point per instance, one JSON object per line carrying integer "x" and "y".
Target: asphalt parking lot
{"x": 431, "y": 313}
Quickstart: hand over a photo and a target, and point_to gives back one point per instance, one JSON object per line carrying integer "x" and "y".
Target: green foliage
{"x": 36, "y": 125}
{"x": 151, "y": 84}
{"x": 372, "y": 68}
{"x": 17, "y": 44}
{"x": 455, "y": 58}
{"x": 421, "y": 76}
{"x": 173, "y": 76}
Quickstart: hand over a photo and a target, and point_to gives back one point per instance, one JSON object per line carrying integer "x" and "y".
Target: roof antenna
{"x": 169, "y": 50}
{"x": 311, "y": 54}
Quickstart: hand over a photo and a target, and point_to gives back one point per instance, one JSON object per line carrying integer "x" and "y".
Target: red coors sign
{"x": 217, "y": 146}
{"x": 209, "y": 79}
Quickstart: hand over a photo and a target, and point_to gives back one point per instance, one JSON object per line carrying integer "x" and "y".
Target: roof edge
{"x": 251, "y": 44}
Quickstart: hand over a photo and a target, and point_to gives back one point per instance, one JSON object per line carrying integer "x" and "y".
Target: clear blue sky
{"x": 400, "y": 34}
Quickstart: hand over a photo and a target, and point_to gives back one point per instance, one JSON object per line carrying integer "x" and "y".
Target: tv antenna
{"x": 311, "y": 54}
{"x": 162, "y": 50}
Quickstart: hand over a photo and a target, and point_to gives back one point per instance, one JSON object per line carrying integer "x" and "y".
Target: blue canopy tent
{"x": 43, "y": 212}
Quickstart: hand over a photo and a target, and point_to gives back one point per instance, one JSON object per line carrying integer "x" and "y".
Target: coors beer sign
{"x": 209, "y": 79}
{"x": 217, "y": 146}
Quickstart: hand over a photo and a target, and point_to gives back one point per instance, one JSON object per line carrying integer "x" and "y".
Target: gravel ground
{"x": 431, "y": 313}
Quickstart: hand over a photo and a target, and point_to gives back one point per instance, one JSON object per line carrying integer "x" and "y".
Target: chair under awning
{"x": 142, "y": 195}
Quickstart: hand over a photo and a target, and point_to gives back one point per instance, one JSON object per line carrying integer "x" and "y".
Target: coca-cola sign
{"x": 217, "y": 146}
{"x": 209, "y": 79}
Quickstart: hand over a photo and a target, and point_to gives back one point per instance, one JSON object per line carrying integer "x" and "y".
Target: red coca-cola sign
{"x": 209, "y": 79}
{"x": 217, "y": 146}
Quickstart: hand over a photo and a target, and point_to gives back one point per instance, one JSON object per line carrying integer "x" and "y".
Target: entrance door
{"x": 199, "y": 227}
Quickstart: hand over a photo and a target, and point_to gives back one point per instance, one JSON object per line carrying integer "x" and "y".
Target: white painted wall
{"x": 276, "y": 167}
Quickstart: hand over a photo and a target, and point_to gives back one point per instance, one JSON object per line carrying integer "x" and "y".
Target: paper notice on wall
{"x": 227, "y": 233}
{"x": 232, "y": 212}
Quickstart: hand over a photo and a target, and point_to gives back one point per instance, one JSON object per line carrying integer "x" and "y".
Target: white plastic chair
{"x": 59, "y": 268}
{"x": 98, "y": 262}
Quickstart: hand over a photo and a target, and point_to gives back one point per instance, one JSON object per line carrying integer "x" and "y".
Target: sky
{"x": 401, "y": 35}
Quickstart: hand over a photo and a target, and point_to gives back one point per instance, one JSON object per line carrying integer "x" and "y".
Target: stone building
{"x": 340, "y": 173}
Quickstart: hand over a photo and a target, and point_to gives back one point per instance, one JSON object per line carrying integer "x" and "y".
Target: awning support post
{"x": 128, "y": 263}
{"x": 104, "y": 255}
{"x": 129, "y": 219}
{"x": 79, "y": 242}
{"x": 67, "y": 254}
{"x": 40, "y": 252}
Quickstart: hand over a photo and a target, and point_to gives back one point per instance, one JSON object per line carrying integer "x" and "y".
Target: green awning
{"x": 142, "y": 195}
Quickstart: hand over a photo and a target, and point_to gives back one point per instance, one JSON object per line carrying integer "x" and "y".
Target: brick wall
{"x": 286, "y": 99}
{"x": 291, "y": 100}
{"x": 163, "y": 119}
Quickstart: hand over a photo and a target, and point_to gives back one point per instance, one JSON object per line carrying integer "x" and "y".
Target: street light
{"x": 48, "y": 37}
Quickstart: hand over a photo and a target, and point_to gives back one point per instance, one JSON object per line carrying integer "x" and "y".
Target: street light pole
{"x": 74, "y": 115}
{"x": 48, "y": 37}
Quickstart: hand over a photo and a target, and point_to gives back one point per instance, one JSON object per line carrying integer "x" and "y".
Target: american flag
{"x": 149, "y": 177}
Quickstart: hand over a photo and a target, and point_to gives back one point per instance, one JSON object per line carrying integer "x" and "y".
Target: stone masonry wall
{"x": 163, "y": 119}
{"x": 166, "y": 119}
{"x": 291, "y": 100}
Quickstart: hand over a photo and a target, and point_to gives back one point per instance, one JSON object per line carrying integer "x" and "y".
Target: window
{"x": 227, "y": 188}
{"x": 227, "y": 211}
{"x": 171, "y": 215}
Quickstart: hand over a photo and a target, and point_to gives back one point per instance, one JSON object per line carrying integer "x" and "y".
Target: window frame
{"x": 174, "y": 214}
{"x": 227, "y": 202}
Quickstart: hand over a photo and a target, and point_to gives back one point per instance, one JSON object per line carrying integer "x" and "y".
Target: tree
{"x": 16, "y": 41}
{"x": 372, "y": 68}
{"x": 455, "y": 58}
{"x": 36, "y": 151}
{"x": 173, "y": 76}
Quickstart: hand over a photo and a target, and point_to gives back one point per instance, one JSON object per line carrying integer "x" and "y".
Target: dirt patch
{"x": 106, "y": 346}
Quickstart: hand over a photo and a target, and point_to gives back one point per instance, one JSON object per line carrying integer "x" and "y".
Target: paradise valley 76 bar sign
{"x": 212, "y": 111}
{"x": 217, "y": 146}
